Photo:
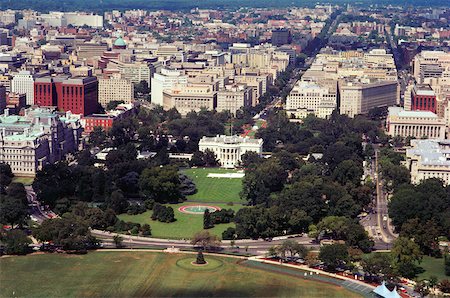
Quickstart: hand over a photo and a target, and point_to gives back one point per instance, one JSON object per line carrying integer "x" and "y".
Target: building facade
{"x": 423, "y": 98}
{"x": 23, "y": 82}
{"x": 42, "y": 136}
{"x": 359, "y": 97}
{"x": 234, "y": 98}
{"x": 190, "y": 98}
{"x": 311, "y": 98}
{"x": 415, "y": 124}
{"x": 115, "y": 89}
{"x": 429, "y": 159}
{"x": 229, "y": 149}
{"x": 78, "y": 95}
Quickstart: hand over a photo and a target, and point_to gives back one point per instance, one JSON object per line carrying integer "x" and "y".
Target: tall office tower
{"x": 115, "y": 88}
{"x": 359, "y": 97}
{"x": 23, "y": 82}
{"x": 281, "y": 37}
{"x": 165, "y": 81}
{"x": 78, "y": 95}
{"x": 2, "y": 98}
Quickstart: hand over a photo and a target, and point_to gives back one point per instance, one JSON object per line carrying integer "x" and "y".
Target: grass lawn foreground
{"x": 220, "y": 190}
{"x": 185, "y": 226}
{"x": 432, "y": 266}
{"x": 144, "y": 274}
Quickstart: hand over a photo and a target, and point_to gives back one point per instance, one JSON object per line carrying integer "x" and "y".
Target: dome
{"x": 120, "y": 42}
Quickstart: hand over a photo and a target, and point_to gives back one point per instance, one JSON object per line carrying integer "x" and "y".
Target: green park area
{"x": 185, "y": 226}
{"x": 210, "y": 190}
{"x": 23, "y": 180}
{"x": 432, "y": 267}
{"x": 145, "y": 274}
{"x": 218, "y": 192}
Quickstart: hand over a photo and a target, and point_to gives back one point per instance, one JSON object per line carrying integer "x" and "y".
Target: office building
{"x": 115, "y": 88}
{"x": 232, "y": 98}
{"x": 190, "y": 98}
{"x": 23, "y": 82}
{"x": 311, "y": 98}
{"x": 429, "y": 159}
{"x": 415, "y": 124}
{"x": 358, "y": 97}
{"x": 78, "y": 95}
{"x": 229, "y": 149}
{"x": 165, "y": 80}
{"x": 42, "y": 136}
{"x": 281, "y": 37}
{"x": 423, "y": 98}
{"x": 2, "y": 98}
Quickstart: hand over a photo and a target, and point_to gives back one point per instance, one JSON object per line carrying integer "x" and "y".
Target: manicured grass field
{"x": 145, "y": 274}
{"x": 221, "y": 190}
{"x": 432, "y": 266}
{"x": 185, "y": 226}
{"x": 23, "y": 180}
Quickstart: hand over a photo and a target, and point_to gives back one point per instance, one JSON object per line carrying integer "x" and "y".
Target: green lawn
{"x": 432, "y": 266}
{"x": 23, "y": 180}
{"x": 185, "y": 226}
{"x": 221, "y": 190}
{"x": 147, "y": 274}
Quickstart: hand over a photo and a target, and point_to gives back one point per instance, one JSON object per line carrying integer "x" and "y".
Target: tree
{"x": 425, "y": 235}
{"x": 229, "y": 234}
{"x": 210, "y": 158}
{"x": 292, "y": 248}
{"x": 141, "y": 88}
{"x": 334, "y": 255}
{"x": 405, "y": 253}
{"x": 117, "y": 202}
{"x": 13, "y": 210}
{"x": 200, "y": 259}
{"x": 6, "y": 174}
{"x": 198, "y": 159}
{"x": 146, "y": 230}
{"x": 113, "y": 104}
{"x": 207, "y": 221}
{"x": 205, "y": 240}
{"x": 378, "y": 265}
{"x": 444, "y": 286}
{"x": 70, "y": 232}
{"x": 348, "y": 171}
{"x": 97, "y": 137}
{"x": 161, "y": 184}
{"x": 118, "y": 241}
{"x": 15, "y": 242}
{"x": 421, "y": 287}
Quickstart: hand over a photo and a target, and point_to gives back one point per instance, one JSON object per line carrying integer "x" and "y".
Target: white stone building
{"x": 229, "y": 149}
{"x": 233, "y": 98}
{"x": 416, "y": 124}
{"x": 358, "y": 97}
{"x": 42, "y": 136}
{"x": 23, "y": 82}
{"x": 166, "y": 80}
{"x": 429, "y": 159}
{"x": 311, "y": 98}
{"x": 115, "y": 88}
{"x": 190, "y": 98}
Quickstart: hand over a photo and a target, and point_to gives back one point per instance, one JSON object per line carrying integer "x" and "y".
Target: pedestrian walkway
{"x": 309, "y": 273}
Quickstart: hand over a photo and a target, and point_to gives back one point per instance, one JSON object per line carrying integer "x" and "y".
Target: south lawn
{"x": 185, "y": 226}
{"x": 220, "y": 190}
{"x": 432, "y": 267}
{"x": 145, "y": 274}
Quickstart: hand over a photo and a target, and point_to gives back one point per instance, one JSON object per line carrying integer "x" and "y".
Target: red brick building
{"x": 78, "y": 95}
{"x": 423, "y": 98}
{"x": 106, "y": 121}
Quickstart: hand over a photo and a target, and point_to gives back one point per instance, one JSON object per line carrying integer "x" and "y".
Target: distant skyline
{"x": 104, "y": 5}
